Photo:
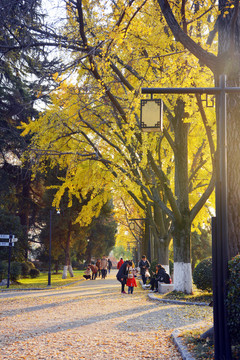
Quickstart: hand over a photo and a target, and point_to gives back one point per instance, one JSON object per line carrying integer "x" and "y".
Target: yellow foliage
{"x": 91, "y": 127}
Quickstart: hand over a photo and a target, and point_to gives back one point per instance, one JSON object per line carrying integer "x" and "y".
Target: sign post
{"x": 9, "y": 259}
{"x": 5, "y": 244}
{"x": 11, "y": 240}
{"x": 6, "y": 236}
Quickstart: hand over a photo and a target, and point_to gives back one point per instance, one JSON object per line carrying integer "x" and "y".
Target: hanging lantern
{"x": 151, "y": 115}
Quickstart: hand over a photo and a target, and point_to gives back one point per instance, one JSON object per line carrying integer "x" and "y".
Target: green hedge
{"x": 233, "y": 300}
{"x": 202, "y": 275}
{"x": 3, "y": 270}
{"x": 25, "y": 269}
{"x": 15, "y": 270}
{"x": 34, "y": 273}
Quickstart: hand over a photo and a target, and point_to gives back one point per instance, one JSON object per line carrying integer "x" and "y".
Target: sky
{"x": 55, "y": 9}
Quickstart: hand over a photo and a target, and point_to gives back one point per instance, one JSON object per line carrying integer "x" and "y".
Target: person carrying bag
{"x": 144, "y": 266}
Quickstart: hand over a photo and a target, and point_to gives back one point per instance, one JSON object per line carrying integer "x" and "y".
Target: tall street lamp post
{"x": 50, "y": 249}
{"x": 222, "y": 345}
{"x": 50, "y": 245}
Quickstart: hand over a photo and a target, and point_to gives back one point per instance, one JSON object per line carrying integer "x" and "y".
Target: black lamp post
{"x": 220, "y": 229}
{"x": 50, "y": 245}
{"x": 50, "y": 249}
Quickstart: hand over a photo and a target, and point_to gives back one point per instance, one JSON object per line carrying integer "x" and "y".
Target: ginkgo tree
{"x": 92, "y": 126}
{"x": 225, "y": 16}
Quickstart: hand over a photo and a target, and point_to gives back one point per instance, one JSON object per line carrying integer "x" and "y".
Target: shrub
{"x": 202, "y": 275}
{"x": 25, "y": 269}
{"x": 15, "y": 270}
{"x": 3, "y": 270}
{"x": 233, "y": 300}
{"x": 34, "y": 273}
{"x": 30, "y": 264}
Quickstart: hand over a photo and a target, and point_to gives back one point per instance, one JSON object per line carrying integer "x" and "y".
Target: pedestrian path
{"x": 90, "y": 320}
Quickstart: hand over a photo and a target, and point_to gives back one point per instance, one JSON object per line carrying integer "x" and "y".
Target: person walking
{"x": 119, "y": 264}
{"x": 144, "y": 265}
{"x": 122, "y": 274}
{"x": 94, "y": 271}
{"x": 103, "y": 266}
{"x": 98, "y": 265}
{"x": 109, "y": 265}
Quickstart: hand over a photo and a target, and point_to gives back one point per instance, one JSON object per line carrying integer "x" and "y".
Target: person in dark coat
{"x": 122, "y": 274}
{"x": 144, "y": 265}
{"x": 158, "y": 276}
{"x": 98, "y": 265}
{"x": 109, "y": 265}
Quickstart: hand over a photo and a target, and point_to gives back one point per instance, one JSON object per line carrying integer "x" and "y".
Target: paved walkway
{"x": 90, "y": 320}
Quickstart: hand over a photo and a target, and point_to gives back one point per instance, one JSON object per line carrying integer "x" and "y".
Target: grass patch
{"x": 197, "y": 296}
{"x": 42, "y": 281}
{"x": 202, "y": 349}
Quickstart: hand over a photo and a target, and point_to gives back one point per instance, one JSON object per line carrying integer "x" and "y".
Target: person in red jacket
{"x": 119, "y": 264}
{"x": 94, "y": 271}
{"x": 131, "y": 281}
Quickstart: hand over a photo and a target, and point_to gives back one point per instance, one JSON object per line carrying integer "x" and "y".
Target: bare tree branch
{"x": 204, "y": 56}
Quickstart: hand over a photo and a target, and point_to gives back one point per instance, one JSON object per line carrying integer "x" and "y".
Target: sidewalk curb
{"x": 178, "y": 302}
{"x": 181, "y": 347}
{"x": 185, "y": 354}
{"x": 40, "y": 289}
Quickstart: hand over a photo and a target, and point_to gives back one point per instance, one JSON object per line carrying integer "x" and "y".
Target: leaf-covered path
{"x": 90, "y": 320}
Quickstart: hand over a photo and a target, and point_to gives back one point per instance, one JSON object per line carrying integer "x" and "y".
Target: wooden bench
{"x": 165, "y": 288}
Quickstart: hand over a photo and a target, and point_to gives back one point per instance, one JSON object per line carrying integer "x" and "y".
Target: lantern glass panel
{"x": 151, "y": 115}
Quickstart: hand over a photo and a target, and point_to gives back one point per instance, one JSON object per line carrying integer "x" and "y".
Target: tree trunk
{"x": 89, "y": 252}
{"x": 67, "y": 253}
{"x": 161, "y": 237}
{"x": 163, "y": 253}
{"x": 208, "y": 334}
{"x": 65, "y": 269}
{"x": 70, "y": 269}
{"x": 25, "y": 211}
{"x": 56, "y": 266}
{"x": 146, "y": 244}
{"x": 182, "y": 231}
{"x": 182, "y": 258}
{"x": 152, "y": 246}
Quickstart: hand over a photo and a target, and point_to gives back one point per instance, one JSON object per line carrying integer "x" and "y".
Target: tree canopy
{"x": 113, "y": 51}
{"x": 106, "y": 53}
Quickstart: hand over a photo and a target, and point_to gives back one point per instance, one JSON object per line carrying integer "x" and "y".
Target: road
{"x": 90, "y": 320}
